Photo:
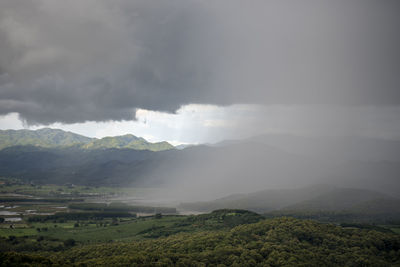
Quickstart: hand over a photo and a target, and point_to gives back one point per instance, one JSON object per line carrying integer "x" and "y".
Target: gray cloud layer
{"x": 73, "y": 61}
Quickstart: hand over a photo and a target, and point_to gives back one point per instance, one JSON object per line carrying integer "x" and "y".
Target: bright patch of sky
{"x": 195, "y": 123}
{"x": 191, "y": 124}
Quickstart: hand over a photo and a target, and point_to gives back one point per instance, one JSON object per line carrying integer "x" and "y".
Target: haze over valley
{"x": 50, "y": 156}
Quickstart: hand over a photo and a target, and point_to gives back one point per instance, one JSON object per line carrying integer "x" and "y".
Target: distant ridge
{"x": 225, "y": 168}
{"x": 51, "y": 138}
{"x": 316, "y": 198}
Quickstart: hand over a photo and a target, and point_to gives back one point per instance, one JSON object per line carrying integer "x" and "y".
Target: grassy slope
{"x": 128, "y": 230}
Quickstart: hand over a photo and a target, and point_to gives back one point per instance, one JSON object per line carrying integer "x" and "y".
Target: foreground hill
{"x": 275, "y": 242}
{"x": 55, "y": 138}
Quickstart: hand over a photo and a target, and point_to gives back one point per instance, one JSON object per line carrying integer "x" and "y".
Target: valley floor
{"x": 70, "y": 226}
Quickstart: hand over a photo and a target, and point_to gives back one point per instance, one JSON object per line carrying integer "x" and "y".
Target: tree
{"x": 69, "y": 242}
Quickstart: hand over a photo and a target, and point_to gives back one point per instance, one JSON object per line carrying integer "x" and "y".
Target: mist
{"x": 323, "y": 76}
{"x": 274, "y": 162}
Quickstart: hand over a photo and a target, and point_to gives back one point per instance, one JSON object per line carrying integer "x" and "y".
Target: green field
{"x": 36, "y": 206}
{"x": 91, "y": 232}
{"x": 15, "y": 186}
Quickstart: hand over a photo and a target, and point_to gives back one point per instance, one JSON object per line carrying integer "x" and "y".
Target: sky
{"x": 200, "y": 71}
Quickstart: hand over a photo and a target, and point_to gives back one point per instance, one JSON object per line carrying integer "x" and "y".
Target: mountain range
{"x": 201, "y": 172}
{"x": 53, "y": 138}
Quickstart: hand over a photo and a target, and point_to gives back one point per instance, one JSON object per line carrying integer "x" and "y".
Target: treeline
{"x": 117, "y": 206}
{"x": 67, "y": 216}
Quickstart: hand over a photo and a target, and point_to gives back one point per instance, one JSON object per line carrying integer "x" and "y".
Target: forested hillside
{"x": 276, "y": 242}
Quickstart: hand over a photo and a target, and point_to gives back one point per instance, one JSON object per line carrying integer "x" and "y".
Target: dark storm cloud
{"x": 73, "y": 61}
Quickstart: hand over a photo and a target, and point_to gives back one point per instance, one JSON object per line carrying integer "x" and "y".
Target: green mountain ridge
{"x": 45, "y": 137}
{"x": 127, "y": 141}
{"x": 51, "y": 138}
